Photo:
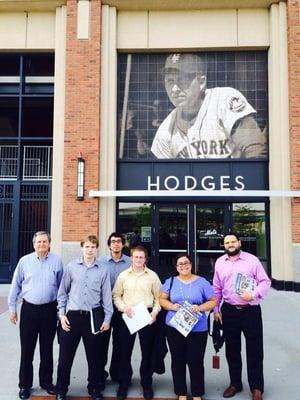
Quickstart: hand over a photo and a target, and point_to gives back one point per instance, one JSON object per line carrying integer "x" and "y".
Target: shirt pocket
{"x": 96, "y": 285}
{"x": 51, "y": 278}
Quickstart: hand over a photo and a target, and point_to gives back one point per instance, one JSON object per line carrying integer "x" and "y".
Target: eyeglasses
{"x": 183, "y": 264}
{"x": 114, "y": 241}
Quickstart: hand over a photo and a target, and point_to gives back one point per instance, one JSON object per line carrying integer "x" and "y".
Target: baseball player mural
{"x": 201, "y": 122}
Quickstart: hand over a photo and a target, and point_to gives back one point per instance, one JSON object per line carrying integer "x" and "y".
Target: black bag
{"x": 217, "y": 336}
{"x": 218, "y": 340}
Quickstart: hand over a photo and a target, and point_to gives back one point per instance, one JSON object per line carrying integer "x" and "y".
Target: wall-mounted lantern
{"x": 80, "y": 177}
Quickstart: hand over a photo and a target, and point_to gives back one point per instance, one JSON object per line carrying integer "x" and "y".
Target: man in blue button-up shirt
{"x": 85, "y": 285}
{"x": 36, "y": 280}
{"x": 116, "y": 263}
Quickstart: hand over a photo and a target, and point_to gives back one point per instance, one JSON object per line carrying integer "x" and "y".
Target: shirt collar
{"x": 95, "y": 264}
{"x": 44, "y": 258}
{"x": 240, "y": 257}
{"x": 146, "y": 270}
{"x": 121, "y": 259}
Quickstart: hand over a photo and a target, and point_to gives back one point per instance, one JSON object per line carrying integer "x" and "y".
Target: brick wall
{"x": 82, "y": 123}
{"x": 293, "y": 14}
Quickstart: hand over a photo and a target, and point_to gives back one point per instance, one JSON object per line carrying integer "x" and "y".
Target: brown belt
{"x": 238, "y": 306}
{"x": 241, "y": 306}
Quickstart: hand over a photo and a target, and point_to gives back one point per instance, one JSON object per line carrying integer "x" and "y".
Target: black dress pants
{"x": 37, "y": 321}
{"x": 249, "y": 322}
{"x": 115, "y": 355}
{"x": 187, "y": 351}
{"x": 126, "y": 341}
{"x": 68, "y": 343}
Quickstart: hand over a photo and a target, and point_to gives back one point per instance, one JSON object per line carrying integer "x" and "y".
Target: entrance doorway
{"x": 189, "y": 228}
{"x": 168, "y": 229}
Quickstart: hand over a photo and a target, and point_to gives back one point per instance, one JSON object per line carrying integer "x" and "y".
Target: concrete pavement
{"x": 281, "y": 312}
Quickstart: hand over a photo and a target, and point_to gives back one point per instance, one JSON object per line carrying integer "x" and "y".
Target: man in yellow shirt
{"x": 135, "y": 285}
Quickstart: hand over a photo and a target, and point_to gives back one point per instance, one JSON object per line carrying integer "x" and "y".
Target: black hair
{"x": 117, "y": 235}
{"x": 232, "y": 234}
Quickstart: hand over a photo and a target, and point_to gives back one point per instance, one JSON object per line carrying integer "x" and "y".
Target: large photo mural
{"x": 197, "y": 106}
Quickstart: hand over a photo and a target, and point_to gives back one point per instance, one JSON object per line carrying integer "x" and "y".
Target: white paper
{"x": 140, "y": 319}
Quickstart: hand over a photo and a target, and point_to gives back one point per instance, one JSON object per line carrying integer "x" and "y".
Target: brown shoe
{"x": 257, "y": 395}
{"x": 231, "y": 391}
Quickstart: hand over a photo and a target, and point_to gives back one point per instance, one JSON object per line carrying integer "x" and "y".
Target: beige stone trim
{"x": 30, "y": 5}
{"x": 41, "y": 30}
{"x": 280, "y": 209}
{"x": 27, "y": 30}
{"x": 194, "y": 29}
{"x": 58, "y": 131}
{"x": 13, "y": 27}
{"x": 83, "y": 19}
{"x": 137, "y": 5}
{"x": 108, "y": 140}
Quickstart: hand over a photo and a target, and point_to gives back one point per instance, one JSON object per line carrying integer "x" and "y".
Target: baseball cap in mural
{"x": 184, "y": 62}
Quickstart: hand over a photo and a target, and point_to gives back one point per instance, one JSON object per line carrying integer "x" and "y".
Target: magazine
{"x": 185, "y": 319}
{"x": 244, "y": 283}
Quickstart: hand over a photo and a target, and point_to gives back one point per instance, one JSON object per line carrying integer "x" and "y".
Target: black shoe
{"x": 50, "y": 389}
{"x": 148, "y": 394}
{"x": 24, "y": 393}
{"x": 60, "y": 397}
{"x": 95, "y": 394}
{"x": 121, "y": 393}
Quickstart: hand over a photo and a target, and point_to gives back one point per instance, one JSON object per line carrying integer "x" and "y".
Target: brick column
{"x": 82, "y": 123}
{"x": 294, "y": 107}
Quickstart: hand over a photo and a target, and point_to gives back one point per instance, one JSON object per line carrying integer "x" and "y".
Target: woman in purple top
{"x": 187, "y": 351}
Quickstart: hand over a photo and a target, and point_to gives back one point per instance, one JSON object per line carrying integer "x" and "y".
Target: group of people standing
{"x": 118, "y": 283}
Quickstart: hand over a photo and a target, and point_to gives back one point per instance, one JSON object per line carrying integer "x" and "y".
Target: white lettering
{"x": 240, "y": 181}
{"x": 189, "y": 182}
{"x": 223, "y": 184}
{"x": 211, "y": 184}
{"x": 193, "y": 182}
{"x": 153, "y": 186}
{"x": 170, "y": 178}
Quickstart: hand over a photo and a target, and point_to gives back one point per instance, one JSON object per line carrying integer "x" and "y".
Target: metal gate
{"x": 24, "y": 209}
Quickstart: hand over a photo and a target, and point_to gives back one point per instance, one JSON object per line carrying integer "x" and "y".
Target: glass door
{"x": 194, "y": 229}
{"x": 210, "y": 224}
{"x": 172, "y": 227}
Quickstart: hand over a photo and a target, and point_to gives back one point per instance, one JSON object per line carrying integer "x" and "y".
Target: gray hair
{"x": 39, "y": 233}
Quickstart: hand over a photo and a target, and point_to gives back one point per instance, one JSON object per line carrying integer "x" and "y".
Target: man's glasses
{"x": 114, "y": 241}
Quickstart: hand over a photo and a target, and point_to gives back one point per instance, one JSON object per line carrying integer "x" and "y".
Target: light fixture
{"x": 80, "y": 177}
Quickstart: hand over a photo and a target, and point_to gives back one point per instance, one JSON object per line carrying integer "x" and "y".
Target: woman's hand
{"x": 175, "y": 306}
{"x": 196, "y": 308}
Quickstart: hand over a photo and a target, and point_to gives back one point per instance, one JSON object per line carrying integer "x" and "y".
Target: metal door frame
{"x": 191, "y": 227}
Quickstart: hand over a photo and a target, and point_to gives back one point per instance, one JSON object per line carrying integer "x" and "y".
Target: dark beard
{"x": 233, "y": 252}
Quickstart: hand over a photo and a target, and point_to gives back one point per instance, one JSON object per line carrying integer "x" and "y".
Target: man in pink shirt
{"x": 241, "y": 282}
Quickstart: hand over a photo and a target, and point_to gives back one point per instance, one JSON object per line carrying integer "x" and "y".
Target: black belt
{"x": 81, "y": 312}
{"x": 54, "y": 303}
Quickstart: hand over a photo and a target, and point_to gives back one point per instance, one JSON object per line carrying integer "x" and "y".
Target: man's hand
{"x": 218, "y": 317}
{"x": 176, "y": 307}
{"x": 65, "y": 323}
{"x": 153, "y": 316}
{"x": 104, "y": 327}
{"x": 13, "y": 317}
{"x": 129, "y": 311}
{"x": 247, "y": 296}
